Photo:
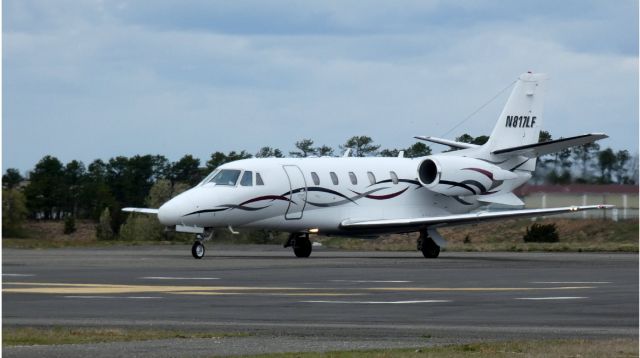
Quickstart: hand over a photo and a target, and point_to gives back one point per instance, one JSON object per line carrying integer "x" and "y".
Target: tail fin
{"x": 521, "y": 119}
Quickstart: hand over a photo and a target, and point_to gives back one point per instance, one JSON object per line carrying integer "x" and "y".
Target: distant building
{"x": 624, "y": 197}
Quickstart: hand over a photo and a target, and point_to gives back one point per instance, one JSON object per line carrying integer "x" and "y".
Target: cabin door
{"x": 297, "y": 192}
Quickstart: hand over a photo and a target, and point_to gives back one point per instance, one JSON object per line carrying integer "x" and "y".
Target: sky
{"x": 89, "y": 79}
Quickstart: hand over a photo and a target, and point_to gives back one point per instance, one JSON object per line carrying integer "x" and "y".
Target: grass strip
{"x": 28, "y": 336}
{"x": 531, "y": 348}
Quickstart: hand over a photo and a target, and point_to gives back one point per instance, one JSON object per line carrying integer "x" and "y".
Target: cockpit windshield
{"x": 226, "y": 177}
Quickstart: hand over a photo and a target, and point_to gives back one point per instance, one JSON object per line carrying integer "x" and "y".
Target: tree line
{"x": 55, "y": 190}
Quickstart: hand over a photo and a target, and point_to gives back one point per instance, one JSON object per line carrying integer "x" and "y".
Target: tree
{"x": 147, "y": 227}
{"x": 584, "y": 154}
{"x": 96, "y": 194}
{"x": 544, "y": 136}
{"x": 305, "y": 149}
{"x": 12, "y": 178}
{"x": 186, "y": 170}
{"x": 268, "y": 152}
{"x": 606, "y": 163}
{"x": 465, "y": 138}
{"x": 219, "y": 158}
{"x": 622, "y": 158}
{"x": 104, "y": 230}
{"x": 389, "y": 153}
{"x": 46, "y": 190}
{"x": 162, "y": 191}
{"x": 417, "y": 150}
{"x": 324, "y": 151}
{"x": 361, "y": 146}
{"x": 74, "y": 179}
{"x": 14, "y": 212}
{"x": 542, "y": 164}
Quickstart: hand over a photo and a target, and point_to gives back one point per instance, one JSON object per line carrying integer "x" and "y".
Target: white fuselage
{"x": 299, "y": 194}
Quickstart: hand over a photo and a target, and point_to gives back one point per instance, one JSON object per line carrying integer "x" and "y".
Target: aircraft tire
{"x": 429, "y": 248}
{"x": 197, "y": 250}
{"x": 302, "y": 247}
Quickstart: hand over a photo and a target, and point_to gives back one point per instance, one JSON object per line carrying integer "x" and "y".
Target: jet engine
{"x": 451, "y": 175}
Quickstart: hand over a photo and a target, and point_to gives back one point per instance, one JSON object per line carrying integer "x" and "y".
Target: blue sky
{"x": 96, "y": 79}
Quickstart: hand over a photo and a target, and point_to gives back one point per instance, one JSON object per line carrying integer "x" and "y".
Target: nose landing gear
{"x": 198, "y": 250}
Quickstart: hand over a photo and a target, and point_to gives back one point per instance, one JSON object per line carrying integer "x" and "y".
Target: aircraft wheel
{"x": 197, "y": 250}
{"x": 429, "y": 248}
{"x": 302, "y": 247}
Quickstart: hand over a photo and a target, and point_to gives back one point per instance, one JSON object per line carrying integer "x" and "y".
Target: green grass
{"x": 576, "y": 235}
{"x": 27, "y": 336}
{"x": 533, "y": 348}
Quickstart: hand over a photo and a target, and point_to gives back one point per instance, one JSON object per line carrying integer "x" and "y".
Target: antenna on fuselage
{"x": 401, "y": 154}
{"x": 346, "y": 153}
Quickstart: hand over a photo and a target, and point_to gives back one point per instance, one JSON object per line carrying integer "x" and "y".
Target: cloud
{"x": 94, "y": 80}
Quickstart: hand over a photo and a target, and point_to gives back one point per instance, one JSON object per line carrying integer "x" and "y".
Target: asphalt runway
{"x": 332, "y": 300}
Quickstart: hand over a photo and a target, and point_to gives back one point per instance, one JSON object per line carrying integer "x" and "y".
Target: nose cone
{"x": 170, "y": 212}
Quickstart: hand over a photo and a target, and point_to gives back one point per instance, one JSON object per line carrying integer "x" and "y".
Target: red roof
{"x": 578, "y": 189}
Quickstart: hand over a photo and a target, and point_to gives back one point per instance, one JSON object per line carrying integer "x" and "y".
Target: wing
{"x": 552, "y": 146}
{"x": 141, "y": 210}
{"x": 459, "y": 219}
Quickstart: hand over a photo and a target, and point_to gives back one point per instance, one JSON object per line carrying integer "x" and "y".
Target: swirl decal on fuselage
{"x": 345, "y": 199}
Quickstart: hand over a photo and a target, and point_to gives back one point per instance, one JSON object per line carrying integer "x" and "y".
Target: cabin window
{"x": 259, "y": 179}
{"x": 226, "y": 177}
{"x": 394, "y": 177}
{"x": 372, "y": 178}
{"x": 354, "y": 179}
{"x": 316, "y": 178}
{"x": 247, "y": 178}
{"x": 334, "y": 178}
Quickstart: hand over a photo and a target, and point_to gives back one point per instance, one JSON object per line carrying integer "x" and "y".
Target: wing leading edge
{"x": 459, "y": 219}
{"x": 141, "y": 210}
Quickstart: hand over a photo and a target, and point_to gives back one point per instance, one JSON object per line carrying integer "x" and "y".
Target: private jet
{"x": 370, "y": 196}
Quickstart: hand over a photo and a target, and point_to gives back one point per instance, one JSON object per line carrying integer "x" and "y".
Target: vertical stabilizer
{"x": 521, "y": 119}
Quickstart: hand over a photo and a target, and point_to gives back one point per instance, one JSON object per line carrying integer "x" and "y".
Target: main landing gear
{"x": 428, "y": 247}
{"x": 301, "y": 244}
{"x": 198, "y": 250}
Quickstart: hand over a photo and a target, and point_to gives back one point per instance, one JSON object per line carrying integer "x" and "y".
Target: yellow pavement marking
{"x": 93, "y": 288}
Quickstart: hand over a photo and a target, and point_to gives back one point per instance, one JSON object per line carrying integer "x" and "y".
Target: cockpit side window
{"x": 247, "y": 178}
{"x": 259, "y": 179}
{"x": 226, "y": 177}
{"x": 208, "y": 177}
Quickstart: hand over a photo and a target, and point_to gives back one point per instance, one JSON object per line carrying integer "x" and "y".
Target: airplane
{"x": 369, "y": 196}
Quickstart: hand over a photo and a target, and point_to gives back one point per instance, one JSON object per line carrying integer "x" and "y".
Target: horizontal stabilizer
{"x": 459, "y": 219}
{"x": 141, "y": 210}
{"x": 537, "y": 149}
{"x": 450, "y": 143}
{"x": 509, "y": 199}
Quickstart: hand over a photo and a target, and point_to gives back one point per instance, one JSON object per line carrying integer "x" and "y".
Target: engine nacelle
{"x": 452, "y": 175}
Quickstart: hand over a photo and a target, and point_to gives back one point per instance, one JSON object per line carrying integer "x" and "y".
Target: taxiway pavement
{"x": 332, "y": 300}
